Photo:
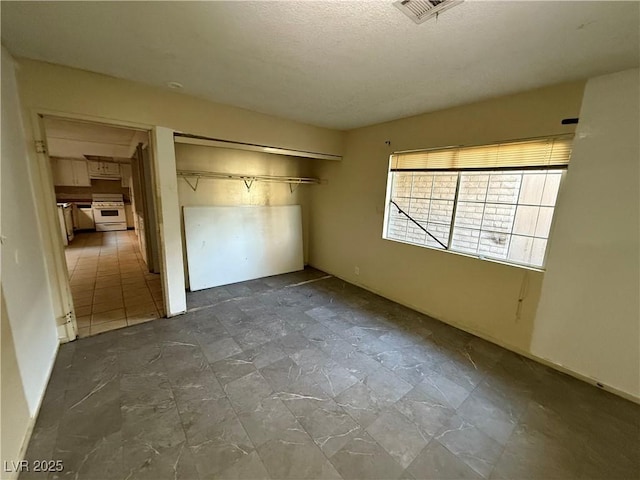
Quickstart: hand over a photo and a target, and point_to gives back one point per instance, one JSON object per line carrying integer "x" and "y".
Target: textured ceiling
{"x": 334, "y": 64}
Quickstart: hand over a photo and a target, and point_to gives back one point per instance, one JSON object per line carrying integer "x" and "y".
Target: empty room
{"x": 320, "y": 239}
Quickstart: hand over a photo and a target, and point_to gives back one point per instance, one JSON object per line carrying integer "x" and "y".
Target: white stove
{"x": 108, "y": 212}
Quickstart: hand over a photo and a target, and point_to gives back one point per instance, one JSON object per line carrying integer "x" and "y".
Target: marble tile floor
{"x": 303, "y": 376}
{"x": 110, "y": 283}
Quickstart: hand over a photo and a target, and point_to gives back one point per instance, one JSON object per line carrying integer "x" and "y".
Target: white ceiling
{"x": 335, "y": 64}
{"x": 72, "y": 139}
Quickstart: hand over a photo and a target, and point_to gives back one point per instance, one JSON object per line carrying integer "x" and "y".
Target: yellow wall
{"x": 588, "y": 317}
{"x": 346, "y": 225}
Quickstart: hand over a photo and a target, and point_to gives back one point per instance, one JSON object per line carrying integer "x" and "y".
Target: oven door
{"x": 109, "y": 215}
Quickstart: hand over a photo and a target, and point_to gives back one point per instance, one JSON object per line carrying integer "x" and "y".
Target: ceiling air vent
{"x": 422, "y": 10}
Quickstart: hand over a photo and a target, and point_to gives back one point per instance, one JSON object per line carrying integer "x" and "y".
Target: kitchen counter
{"x": 70, "y": 198}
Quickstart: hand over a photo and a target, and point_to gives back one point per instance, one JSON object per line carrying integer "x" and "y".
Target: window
{"x": 492, "y": 201}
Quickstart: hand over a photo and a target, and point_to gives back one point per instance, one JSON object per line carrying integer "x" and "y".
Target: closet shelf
{"x": 192, "y": 177}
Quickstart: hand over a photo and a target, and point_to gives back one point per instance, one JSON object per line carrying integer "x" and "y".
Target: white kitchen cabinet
{"x": 106, "y": 170}
{"x": 80, "y": 173}
{"x": 111, "y": 169}
{"x": 142, "y": 241}
{"x": 125, "y": 171}
{"x": 70, "y": 172}
{"x": 95, "y": 168}
{"x": 128, "y": 213}
{"x": 74, "y": 216}
{"x": 85, "y": 218}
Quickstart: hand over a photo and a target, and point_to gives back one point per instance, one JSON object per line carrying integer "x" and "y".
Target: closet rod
{"x": 247, "y": 179}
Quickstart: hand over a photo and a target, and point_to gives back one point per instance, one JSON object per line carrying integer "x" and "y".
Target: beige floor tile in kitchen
{"x": 110, "y": 284}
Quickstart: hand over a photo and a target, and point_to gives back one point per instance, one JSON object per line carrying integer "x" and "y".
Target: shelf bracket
{"x": 293, "y": 186}
{"x": 248, "y": 182}
{"x": 194, "y": 187}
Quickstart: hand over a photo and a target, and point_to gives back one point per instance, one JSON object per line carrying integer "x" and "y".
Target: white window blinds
{"x": 539, "y": 153}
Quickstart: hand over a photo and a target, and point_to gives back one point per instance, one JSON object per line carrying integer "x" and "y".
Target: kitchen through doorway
{"x": 104, "y": 188}
{"x": 109, "y": 282}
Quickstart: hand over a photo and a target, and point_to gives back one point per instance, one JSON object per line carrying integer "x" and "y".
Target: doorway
{"x": 104, "y": 188}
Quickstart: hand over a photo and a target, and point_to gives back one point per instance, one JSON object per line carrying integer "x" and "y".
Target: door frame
{"x": 46, "y": 202}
